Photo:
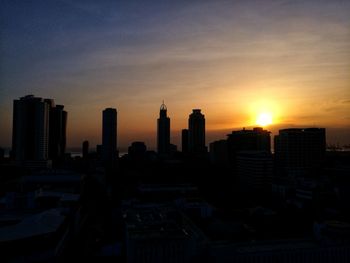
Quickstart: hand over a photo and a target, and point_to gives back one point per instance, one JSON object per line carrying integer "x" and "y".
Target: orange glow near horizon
{"x": 264, "y": 119}
{"x": 265, "y": 112}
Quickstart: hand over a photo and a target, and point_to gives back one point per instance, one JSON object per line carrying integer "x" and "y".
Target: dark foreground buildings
{"x": 109, "y": 135}
{"x": 39, "y": 131}
{"x": 196, "y": 132}
{"x": 175, "y": 209}
{"x": 257, "y": 139}
{"x": 163, "y": 131}
{"x": 300, "y": 152}
{"x": 57, "y": 131}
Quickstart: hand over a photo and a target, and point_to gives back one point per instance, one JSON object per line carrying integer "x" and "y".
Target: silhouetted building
{"x": 184, "y": 140}
{"x": 109, "y": 135}
{"x": 196, "y": 132}
{"x": 160, "y": 234}
{"x": 137, "y": 150}
{"x": 163, "y": 131}
{"x": 254, "y": 171}
{"x": 99, "y": 151}
{"x": 85, "y": 149}
{"x": 30, "y": 133}
{"x": 257, "y": 139}
{"x": 300, "y": 151}
{"x": 57, "y": 130}
{"x": 173, "y": 148}
{"x": 2, "y": 154}
{"x": 219, "y": 152}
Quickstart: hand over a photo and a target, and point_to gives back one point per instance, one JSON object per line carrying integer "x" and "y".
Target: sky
{"x": 232, "y": 59}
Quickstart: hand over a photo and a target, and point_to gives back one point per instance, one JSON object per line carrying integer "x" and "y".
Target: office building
{"x": 85, "y": 149}
{"x": 254, "y": 171}
{"x": 300, "y": 151}
{"x": 109, "y": 135}
{"x": 163, "y": 131}
{"x": 219, "y": 152}
{"x": 161, "y": 234}
{"x": 30, "y": 133}
{"x": 196, "y": 132}
{"x": 57, "y": 130}
{"x": 184, "y": 140}
{"x": 257, "y": 139}
{"x": 137, "y": 150}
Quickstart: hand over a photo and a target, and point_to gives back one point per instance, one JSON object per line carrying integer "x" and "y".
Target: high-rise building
{"x": 137, "y": 150}
{"x": 85, "y": 149}
{"x": 254, "y": 171}
{"x": 30, "y": 133}
{"x": 109, "y": 134}
{"x": 218, "y": 152}
{"x": 300, "y": 151}
{"x": 163, "y": 131}
{"x": 196, "y": 132}
{"x": 57, "y": 130}
{"x": 184, "y": 140}
{"x": 257, "y": 139}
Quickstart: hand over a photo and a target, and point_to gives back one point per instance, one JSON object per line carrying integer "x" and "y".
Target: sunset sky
{"x": 232, "y": 59}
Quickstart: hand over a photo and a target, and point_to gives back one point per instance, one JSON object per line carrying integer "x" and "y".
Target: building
{"x": 219, "y": 152}
{"x": 299, "y": 152}
{"x": 254, "y": 171}
{"x": 283, "y": 250}
{"x": 109, "y": 135}
{"x": 184, "y": 140}
{"x": 30, "y": 133}
{"x": 161, "y": 234}
{"x": 196, "y": 132}
{"x": 137, "y": 151}
{"x": 257, "y": 139}
{"x": 85, "y": 149}
{"x": 163, "y": 131}
{"x": 57, "y": 131}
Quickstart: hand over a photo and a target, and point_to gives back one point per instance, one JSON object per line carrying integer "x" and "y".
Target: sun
{"x": 264, "y": 119}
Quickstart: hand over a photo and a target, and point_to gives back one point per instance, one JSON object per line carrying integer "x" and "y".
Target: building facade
{"x": 300, "y": 151}
{"x": 163, "y": 131}
{"x": 196, "y": 132}
{"x": 30, "y": 133}
{"x": 57, "y": 131}
{"x": 256, "y": 139}
{"x": 109, "y": 134}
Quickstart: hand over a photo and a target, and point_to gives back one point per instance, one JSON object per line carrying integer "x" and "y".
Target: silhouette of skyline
{"x": 233, "y": 60}
{"x": 248, "y": 160}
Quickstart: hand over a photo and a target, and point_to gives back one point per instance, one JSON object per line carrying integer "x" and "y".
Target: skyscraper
{"x": 163, "y": 131}
{"x": 300, "y": 151}
{"x": 184, "y": 140}
{"x": 57, "y": 130}
{"x": 196, "y": 132}
{"x": 85, "y": 149}
{"x": 30, "y": 133}
{"x": 257, "y": 139}
{"x": 109, "y": 134}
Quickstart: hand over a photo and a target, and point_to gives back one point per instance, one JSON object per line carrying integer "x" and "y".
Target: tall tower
{"x": 184, "y": 140}
{"x": 30, "y": 133}
{"x": 163, "y": 131}
{"x": 196, "y": 132}
{"x": 57, "y": 130}
{"x": 109, "y": 134}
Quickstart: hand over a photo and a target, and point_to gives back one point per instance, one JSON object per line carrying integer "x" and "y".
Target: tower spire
{"x": 163, "y": 106}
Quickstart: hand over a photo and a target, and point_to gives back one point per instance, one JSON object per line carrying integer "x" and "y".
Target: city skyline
{"x": 177, "y": 135}
{"x": 234, "y": 61}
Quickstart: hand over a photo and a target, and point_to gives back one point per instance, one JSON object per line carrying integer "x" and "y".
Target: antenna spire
{"x": 163, "y": 106}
